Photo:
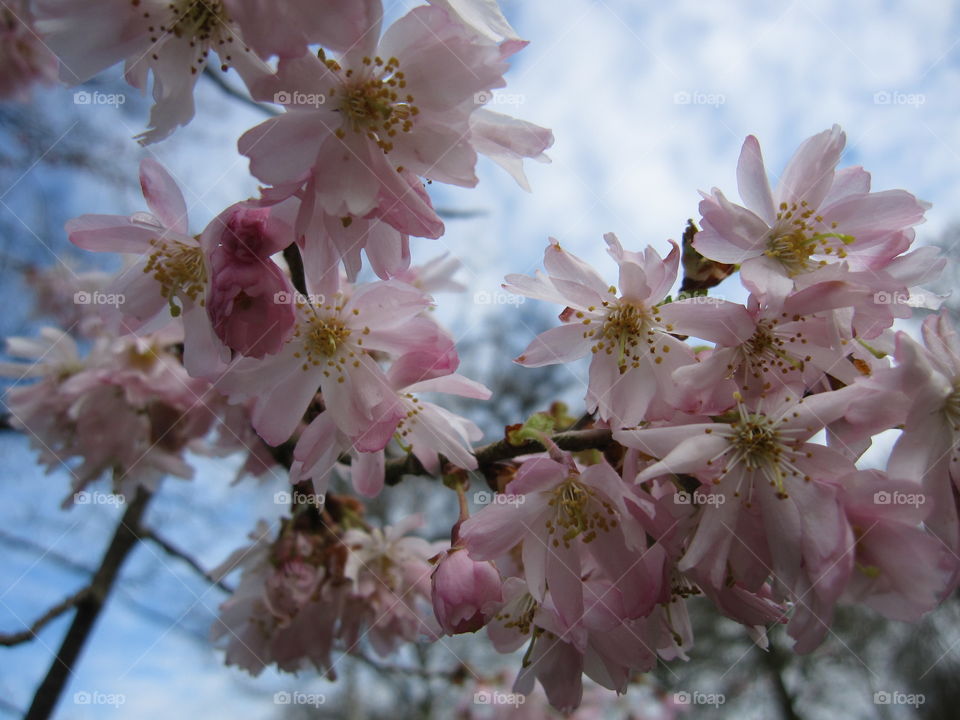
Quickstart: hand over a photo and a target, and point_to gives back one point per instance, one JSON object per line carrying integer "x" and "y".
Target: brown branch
{"x": 775, "y": 662}
{"x": 125, "y": 538}
{"x": 56, "y": 611}
{"x": 176, "y": 552}
{"x": 489, "y": 455}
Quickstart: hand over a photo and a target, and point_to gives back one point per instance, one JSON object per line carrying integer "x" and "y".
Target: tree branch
{"x": 56, "y": 611}
{"x": 775, "y": 662}
{"x": 173, "y": 551}
{"x": 489, "y": 455}
{"x": 125, "y": 538}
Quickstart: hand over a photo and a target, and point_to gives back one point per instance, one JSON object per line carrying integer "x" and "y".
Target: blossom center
{"x": 795, "y": 239}
{"x": 179, "y": 269}
{"x": 324, "y": 337}
{"x": 372, "y": 101}
{"x": 578, "y": 511}
{"x": 624, "y": 328}
{"x": 952, "y": 405}
{"x": 198, "y": 20}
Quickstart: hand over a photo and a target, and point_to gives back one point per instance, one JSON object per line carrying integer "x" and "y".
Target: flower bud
{"x": 466, "y": 593}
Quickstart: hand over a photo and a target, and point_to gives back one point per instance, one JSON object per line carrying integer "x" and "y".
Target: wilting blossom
{"x": 634, "y": 354}
{"x": 127, "y": 411}
{"x": 815, "y": 216}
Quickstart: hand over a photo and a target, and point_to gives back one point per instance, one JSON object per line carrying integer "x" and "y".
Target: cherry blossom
{"x": 634, "y": 353}
{"x": 815, "y": 215}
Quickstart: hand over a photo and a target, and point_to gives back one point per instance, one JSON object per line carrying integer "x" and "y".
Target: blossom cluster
{"x": 722, "y": 485}
{"x": 733, "y": 433}
{"x": 326, "y": 581}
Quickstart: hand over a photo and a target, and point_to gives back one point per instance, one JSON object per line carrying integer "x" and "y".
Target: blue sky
{"x": 649, "y": 104}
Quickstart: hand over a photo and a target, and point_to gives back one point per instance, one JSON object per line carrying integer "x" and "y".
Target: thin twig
{"x": 488, "y": 455}
{"x": 174, "y": 551}
{"x": 125, "y": 538}
{"x": 56, "y": 611}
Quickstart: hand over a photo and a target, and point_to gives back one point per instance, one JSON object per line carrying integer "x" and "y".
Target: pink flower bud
{"x": 250, "y": 299}
{"x": 465, "y": 592}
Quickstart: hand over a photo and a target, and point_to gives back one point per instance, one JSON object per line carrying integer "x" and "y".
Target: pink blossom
{"x": 634, "y": 353}
{"x": 394, "y": 110}
{"x": 250, "y": 302}
{"x": 330, "y": 351}
{"x": 901, "y": 571}
{"x": 567, "y": 519}
{"x": 170, "y": 40}
{"x": 465, "y": 592}
{"x": 773, "y": 343}
{"x": 770, "y": 502}
{"x": 928, "y": 383}
{"x": 816, "y": 215}
{"x": 422, "y": 428}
